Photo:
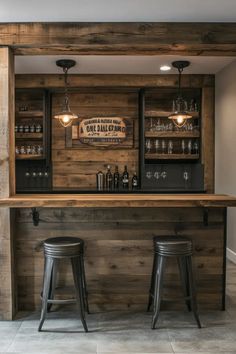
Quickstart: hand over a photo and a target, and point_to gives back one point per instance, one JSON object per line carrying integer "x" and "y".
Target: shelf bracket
{"x": 35, "y": 216}
{"x": 205, "y": 216}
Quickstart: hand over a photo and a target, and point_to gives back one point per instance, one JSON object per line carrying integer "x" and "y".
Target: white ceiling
{"x": 114, "y": 10}
{"x": 99, "y": 64}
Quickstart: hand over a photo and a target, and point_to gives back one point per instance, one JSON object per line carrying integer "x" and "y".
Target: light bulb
{"x": 66, "y": 119}
{"x": 180, "y": 119}
{"x": 165, "y": 68}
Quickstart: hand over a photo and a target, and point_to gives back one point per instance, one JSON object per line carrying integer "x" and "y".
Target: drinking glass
{"x": 170, "y": 147}
{"x": 157, "y": 145}
{"x": 163, "y": 146}
{"x": 189, "y": 146}
{"x": 183, "y": 146}
{"x": 196, "y": 147}
{"x": 157, "y": 175}
{"x": 148, "y": 145}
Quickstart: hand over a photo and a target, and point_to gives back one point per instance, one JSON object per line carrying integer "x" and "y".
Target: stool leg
{"x": 79, "y": 289}
{"x": 192, "y": 290}
{"x": 158, "y": 289}
{"x": 152, "y": 285}
{"x": 84, "y": 284}
{"x": 46, "y": 287}
{"x": 53, "y": 282}
{"x": 184, "y": 279}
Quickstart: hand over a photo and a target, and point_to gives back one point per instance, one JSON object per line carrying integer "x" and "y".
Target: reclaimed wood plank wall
{"x": 77, "y": 167}
{"x": 118, "y": 253}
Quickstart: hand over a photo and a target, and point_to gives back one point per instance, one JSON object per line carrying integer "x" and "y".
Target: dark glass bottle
{"x": 125, "y": 178}
{"x": 108, "y": 179}
{"x": 135, "y": 181}
{"x": 116, "y": 178}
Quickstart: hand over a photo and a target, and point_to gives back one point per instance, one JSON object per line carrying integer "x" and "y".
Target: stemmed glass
{"x": 196, "y": 147}
{"x": 157, "y": 145}
{"x": 163, "y": 146}
{"x": 189, "y": 147}
{"x": 183, "y": 146}
{"x": 170, "y": 147}
{"x": 148, "y": 145}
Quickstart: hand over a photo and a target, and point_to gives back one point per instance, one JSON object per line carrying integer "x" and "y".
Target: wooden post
{"x": 208, "y": 138}
{"x": 7, "y": 181}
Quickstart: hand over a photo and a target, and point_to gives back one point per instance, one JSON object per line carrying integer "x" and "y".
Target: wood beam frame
{"x": 7, "y": 181}
{"x": 129, "y": 38}
{"x": 130, "y": 81}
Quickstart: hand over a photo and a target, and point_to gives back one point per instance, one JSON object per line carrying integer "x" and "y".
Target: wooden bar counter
{"x": 118, "y": 200}
{"x": 118, "y": 231}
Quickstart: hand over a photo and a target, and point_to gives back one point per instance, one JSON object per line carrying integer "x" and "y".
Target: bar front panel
{"x": 119, "y": 253}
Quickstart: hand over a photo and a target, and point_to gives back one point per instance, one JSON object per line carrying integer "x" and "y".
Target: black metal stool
{"x": 181, "y": 248}
{"x": 64, "y": 248}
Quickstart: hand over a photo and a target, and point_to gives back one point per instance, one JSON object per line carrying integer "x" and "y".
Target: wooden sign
{"x": 102, "y": 132}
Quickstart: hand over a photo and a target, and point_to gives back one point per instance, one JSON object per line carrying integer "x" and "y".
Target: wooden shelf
{"x": 173, "y": 134}
{"x": 154, "y": 156}
{"x": 26, "y": 136}
{"x": 29, "y": 157}
{"x": 165, "y": 114}
{"x": 29, "y": 114}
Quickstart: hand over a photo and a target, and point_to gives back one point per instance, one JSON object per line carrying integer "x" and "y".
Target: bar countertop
{"x": 117, "y": 200}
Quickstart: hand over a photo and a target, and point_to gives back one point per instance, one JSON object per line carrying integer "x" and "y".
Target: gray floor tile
{"x": 7, "y": 335}
{"x": 28, "y": 340}
{"x": 136, "y": 341}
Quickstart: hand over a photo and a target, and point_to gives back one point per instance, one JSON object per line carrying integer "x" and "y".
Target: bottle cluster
{"x": 116, "y": 181}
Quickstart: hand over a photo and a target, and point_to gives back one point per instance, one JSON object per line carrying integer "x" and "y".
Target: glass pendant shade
{"x": 179, "y": 116}
{"x": 65, "y": 117}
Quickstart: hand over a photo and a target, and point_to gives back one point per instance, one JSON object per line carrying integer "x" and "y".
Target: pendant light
{"x": 180, "y": 114}
{"x": 65, "y": 117}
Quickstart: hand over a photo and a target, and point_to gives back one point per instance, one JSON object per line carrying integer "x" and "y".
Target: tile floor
{"x": 128, "y": 332}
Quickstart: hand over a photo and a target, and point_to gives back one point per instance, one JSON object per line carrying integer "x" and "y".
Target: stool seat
{"x": 62, "y": 247}
{"x": 172, "y": 246}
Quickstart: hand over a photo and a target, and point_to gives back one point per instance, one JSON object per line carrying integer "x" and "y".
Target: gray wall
{"x": 225, "y": 173}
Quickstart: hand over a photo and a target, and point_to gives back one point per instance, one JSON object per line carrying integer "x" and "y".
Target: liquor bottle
{"x": 108, "y": 179}
{"x": 125, "y": 178}
{"x": 116, "y": 178}
{"x": 135, "y": 181}
{"x": 100, "y": 180}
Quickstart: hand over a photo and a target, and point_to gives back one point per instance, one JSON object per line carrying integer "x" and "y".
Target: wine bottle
{"x": 125, "y": 178}
{"x": 108, "y": 179}
{"x": 135, "y": 181}
{"x": 116, "y": 178}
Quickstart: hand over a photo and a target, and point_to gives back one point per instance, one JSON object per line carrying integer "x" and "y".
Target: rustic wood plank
{"x": 112, "y": 80}
{"x": 7, "y": 182}
{"x": 118, "y": 200}
{"x": 118, "y": 254}
{"x": 208, "y": 138}
{"x": 120, "y": 38}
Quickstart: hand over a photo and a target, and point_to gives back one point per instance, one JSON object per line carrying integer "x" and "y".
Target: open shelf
{"x": 172, "y": 134}
{"x": 154, "y": 156}
{"x": 160, "y": 113}
{"x": 32, "y": 136}
{"x": 29, "y": 114}
{"x": 29, "y": 157}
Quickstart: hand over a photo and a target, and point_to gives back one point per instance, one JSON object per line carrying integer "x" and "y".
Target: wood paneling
{"x": 7, "y": 181}
{"x": 112, "y": 80}
{"x": 86, "y": 105}
{"x": 120, "y": 38}
{"x": 118, "y": 253}
{"x": 208, "y": 138}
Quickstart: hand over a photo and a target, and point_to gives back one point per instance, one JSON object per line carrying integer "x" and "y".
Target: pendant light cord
{"x": 179, "y": 89}
{"x": 66, "y": 98}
